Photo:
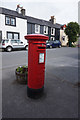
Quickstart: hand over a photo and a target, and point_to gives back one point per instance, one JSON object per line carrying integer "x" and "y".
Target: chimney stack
{"x": 20, "y": 10}
{"x": 23, "y": 12}
{"x": 53, "y": 20}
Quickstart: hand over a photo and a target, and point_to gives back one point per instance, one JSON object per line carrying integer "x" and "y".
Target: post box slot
{"x": 41, "y": 47}
{"x": 40, "y": 43}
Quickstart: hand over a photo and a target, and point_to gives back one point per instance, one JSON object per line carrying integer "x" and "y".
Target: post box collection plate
{"x": 41, "y": 58}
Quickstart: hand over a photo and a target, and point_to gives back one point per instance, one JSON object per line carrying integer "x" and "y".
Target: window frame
{"x": 10, "y": 17}
{"x": 8, "y": 35}
{"x": 16, "y": 34}
{"x": 13, "y": 35}
{"x": 38, "y": 28}
{"x": 53, "y": 31}
{"x": 46, "y": 29}
{"x": 6, "y": 20}
{"x": 13, "y": 22}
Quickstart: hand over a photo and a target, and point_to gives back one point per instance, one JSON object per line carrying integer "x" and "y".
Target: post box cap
{"x": 36, "y": 37}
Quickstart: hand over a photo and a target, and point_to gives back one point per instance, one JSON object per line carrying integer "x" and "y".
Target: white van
{"x": 10, "y": 44}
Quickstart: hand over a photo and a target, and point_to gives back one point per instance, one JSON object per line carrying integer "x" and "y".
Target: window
{"x": 45, "y": 30}
{"x": 37, "y": 28}
{"x": 16, "y": 36}
{"x": 52, "y": 38}
{"x": 10, "y": 21}
{"x": 13, "y": 35}
{"x": 9, "y": 36}
{"x": 7, "y": 20}
{"x": 63, "y": 38}
{"x": 52, "y": 31}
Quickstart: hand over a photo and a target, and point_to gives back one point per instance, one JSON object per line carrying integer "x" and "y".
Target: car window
{"x": 56, "y": 41}
{"x": 14, "y": 41}
{"x": 5, "y": 41}
{"x": 51, "y": 42}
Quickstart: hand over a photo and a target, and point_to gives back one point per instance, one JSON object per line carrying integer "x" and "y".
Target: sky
{"x": 65, "y": 11}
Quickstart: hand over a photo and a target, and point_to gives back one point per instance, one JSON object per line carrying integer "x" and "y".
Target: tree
{"x": 72, "y": 30}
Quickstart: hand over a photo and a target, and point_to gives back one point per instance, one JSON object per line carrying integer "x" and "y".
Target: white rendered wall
{"x": 64, "y": 43}
{"x": 79, "y": 12}
{"x": 21, "y": 27}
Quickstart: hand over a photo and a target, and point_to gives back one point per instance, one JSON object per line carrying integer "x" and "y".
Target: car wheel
{"x": 26, "y": 48}
{"x": 9, "y": 49}
{"x": 50, "y": 47}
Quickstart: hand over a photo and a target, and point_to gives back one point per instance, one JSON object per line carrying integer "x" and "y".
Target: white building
{"x": 15, "y": 25}
{"x": 12, "y": 25}
{"x": 63, "y": 36}
{"x": 79, "y": 12}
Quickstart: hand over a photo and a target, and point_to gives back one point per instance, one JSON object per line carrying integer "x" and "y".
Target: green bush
{"x": 22, "y": 69}
{"x": 73, "y": 45}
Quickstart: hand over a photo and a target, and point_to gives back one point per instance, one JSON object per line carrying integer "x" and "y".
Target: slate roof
{"x": 29, "y": 18}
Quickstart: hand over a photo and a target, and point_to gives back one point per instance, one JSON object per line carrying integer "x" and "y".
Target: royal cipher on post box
{"x": 36, "y": 63}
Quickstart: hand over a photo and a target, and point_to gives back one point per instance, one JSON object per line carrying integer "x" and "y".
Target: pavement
{"x": 60, "y": 98}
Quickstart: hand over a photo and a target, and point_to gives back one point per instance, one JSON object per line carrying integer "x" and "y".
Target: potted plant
{"x": 22, "y": 74}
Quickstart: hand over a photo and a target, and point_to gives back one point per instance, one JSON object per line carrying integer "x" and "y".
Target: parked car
{"x": 52, "y": 44}
{"x": 10, "y": 44}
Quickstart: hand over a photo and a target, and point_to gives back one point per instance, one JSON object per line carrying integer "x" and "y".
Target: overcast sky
{"x": 64, "y": 10}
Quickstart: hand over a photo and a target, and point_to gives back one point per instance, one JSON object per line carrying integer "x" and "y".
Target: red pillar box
{"x": 36, "y": 63}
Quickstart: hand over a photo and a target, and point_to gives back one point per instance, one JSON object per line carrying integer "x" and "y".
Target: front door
{"x": 0, "y": 36}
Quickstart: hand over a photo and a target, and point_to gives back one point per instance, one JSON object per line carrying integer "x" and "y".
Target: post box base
{"x": 35, "y": 93}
